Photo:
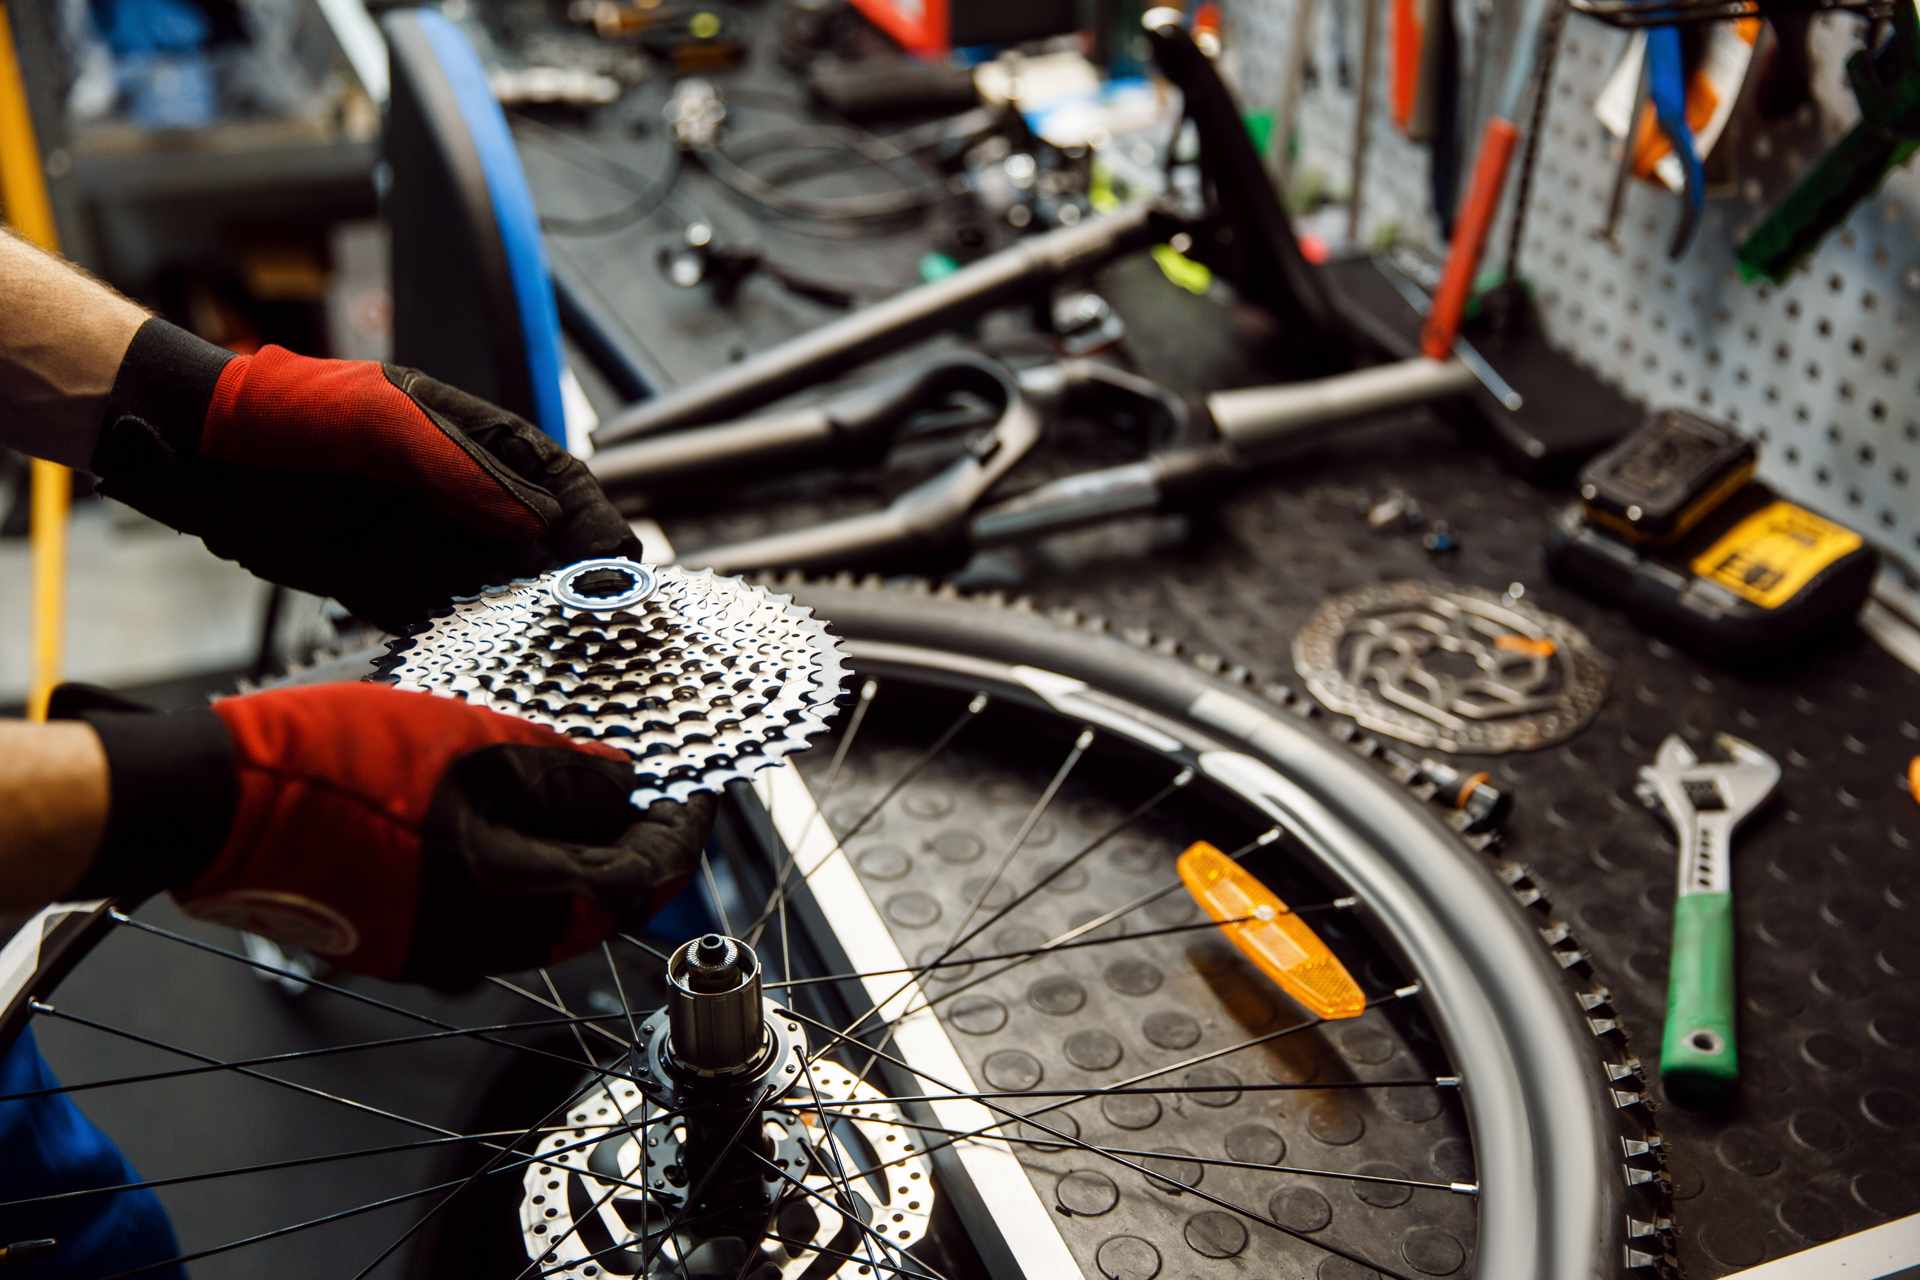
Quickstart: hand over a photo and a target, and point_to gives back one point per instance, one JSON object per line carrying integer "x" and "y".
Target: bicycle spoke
{"x": 45, "y": 1010}
{"x": 633, "y": 1029}
{"x": 274, "y": 1166}
{"x": 1034, "y": 814}
{"x": 927, "y": 1269}
{"x": 962, "y": 962}
{"x": 747, "y": 1122}
{"x": 825, "y": 1252}
{"x": 1086, "y": 1095}
{"x": 713, "y": 890}
{"x": 867, "y": 692}
{"x": 1073, "y": 1141}
{"x": 122, "y": 918}
{"x": 1100, "y": 921}
{"x": 1184, "y": 1064}
{"x": 601, "y": 1073}
{"x": 1457, "y": 1188}
{"x": 524, "y": 994}
{"x": 832, "y": 1145}
{"x": 278, "y": 1232}
{"x": 1271, "y": 834}
{"x": 300, "y": 1055}
{"x": 973, "y": 709}
{"x": 464, "y": 1183}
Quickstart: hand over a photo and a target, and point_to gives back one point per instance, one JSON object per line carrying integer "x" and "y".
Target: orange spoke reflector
{"x": 1284, "y": 946}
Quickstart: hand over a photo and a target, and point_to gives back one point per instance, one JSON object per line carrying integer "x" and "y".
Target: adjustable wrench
{"x": 1704, "y": 802}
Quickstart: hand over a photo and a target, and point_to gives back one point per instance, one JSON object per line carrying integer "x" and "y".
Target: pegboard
{"x": 1821, "y": 371}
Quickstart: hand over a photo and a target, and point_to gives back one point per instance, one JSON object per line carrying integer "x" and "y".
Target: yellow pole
{"x": 23, "y": 195}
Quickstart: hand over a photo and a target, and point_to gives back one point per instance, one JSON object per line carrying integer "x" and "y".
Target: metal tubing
{"x": 1256, "y": 417}
{"x": 765, "y": 441}
{"x": 887, "y": 326}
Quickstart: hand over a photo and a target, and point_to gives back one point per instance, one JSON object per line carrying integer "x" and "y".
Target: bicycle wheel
{"x": 1004, "y": 1042}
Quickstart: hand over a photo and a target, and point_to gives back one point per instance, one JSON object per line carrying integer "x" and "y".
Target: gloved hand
{"x": 398, "y": 834}
{"x": 369, "y": 483}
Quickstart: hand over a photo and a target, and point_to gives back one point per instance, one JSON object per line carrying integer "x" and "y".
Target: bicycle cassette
{"x": 702, "y": 680}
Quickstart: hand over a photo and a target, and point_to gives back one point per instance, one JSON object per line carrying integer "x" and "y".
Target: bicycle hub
{"x": 717, "y": 1024}
{"x": 720, "y": 1054}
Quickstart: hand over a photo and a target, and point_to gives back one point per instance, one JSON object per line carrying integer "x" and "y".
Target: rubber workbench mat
{"x": 1826, "y": 882}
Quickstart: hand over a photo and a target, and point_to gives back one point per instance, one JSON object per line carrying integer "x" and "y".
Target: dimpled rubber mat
{"x": 1090, "y": 1016}
{"x": 1826, "y": 881}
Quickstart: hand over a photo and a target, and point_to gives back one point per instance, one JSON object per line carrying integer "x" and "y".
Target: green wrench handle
{"x": 1697, "y": 1058}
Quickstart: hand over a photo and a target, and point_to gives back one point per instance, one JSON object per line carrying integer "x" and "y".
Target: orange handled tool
{"x": 1482, "y": 200}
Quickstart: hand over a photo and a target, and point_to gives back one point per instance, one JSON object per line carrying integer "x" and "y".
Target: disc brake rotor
{"x": 1452, "y": 668}
{"x": 611, "y": 1197}
{"x": 701, "y": 680}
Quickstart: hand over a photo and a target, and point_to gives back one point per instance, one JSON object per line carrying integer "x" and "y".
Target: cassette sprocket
{"x": 702, "y": 680}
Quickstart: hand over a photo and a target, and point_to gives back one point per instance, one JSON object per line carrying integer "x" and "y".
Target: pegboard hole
{"x": 1822, "y": 477}
{"x": 1793, "y": 456}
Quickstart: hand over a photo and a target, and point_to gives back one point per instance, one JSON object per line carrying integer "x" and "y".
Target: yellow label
{"x": 1775, "y": 552}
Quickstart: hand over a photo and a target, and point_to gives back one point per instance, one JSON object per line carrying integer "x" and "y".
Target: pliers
{"x": 1667, "y": 86}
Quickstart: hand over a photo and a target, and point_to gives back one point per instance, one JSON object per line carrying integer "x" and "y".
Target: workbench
{"x": 1826, "y": 882}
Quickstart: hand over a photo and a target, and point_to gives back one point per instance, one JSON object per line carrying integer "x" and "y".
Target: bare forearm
{"x": 53, "y": 809}
{"x": 62, "y": 336}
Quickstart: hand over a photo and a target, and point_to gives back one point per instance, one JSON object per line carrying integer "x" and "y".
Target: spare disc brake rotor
{"x": 1451, "y": 668}
{"x": 702, "y": 680}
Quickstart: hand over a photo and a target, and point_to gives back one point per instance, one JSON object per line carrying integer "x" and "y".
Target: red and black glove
{"x": 369, "y": 483}
{"x": 399, "y": 834}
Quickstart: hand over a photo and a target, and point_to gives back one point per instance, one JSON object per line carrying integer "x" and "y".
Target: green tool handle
{"x": 1697, "y": 1058}
{"x": 1845, "y": 175}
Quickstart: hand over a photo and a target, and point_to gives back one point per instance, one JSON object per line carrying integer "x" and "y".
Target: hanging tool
{"x": 1623, "y": 172}
{"x": 1408, "y": 29}
{"x": 1704, "y": 802}
{"x": 1362, "y": 116}
{"x": 1529, "y": 156}
{"x": 1886, "y": 82}
{"x": 1298, "y": 58}
{"x": 1440, "y": 95}
{"x": 1667, "y": 86}
{"x": 1281, "y": 944}
{"x": 1482, "y": 201}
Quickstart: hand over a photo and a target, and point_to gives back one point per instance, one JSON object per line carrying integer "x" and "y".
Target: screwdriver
{"x": 1482, "y": 201}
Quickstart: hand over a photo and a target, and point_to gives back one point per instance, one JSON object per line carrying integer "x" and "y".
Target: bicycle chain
{"x": 701, "y": 680}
